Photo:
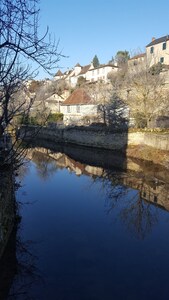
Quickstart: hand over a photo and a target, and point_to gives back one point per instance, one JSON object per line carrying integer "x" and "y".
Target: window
{"x": 164, "y": 46}
{"x": 68, "y": 109}
{"x": 161, "y": 60}
{"x": 78, "y": 108}
{"x": 152, "y": 50}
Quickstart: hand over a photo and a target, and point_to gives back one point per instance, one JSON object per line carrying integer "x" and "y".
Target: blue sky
{"x": 102, "y": 27}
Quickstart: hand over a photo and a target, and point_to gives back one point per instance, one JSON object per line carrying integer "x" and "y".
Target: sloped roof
{"x": 138, "y": 56}
{"x": 78, "y": 65}
{"x": 79, "y": 96}
{"x": 84, "y": 69}
{"x": 162, "y": 39}
{"x": 59, "y": 73}
{"x": 105, "y": 65}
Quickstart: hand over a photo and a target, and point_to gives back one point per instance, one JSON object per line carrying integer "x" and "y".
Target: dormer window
{"x": 152, "y": 50}
{"x": 164, "y": 46}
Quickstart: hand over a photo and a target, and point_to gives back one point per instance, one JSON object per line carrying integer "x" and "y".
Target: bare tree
{"x": 20, "y": 46}
{"x": 143, "y": 90}
{"x": 146, "y": 93}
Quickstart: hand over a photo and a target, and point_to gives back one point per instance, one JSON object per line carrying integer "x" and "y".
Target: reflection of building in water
{"x": 151, "y": 189}
{"x": 64, "y": 161}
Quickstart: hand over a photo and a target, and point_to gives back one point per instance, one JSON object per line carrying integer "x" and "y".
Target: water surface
{"x": 89, "y": 233}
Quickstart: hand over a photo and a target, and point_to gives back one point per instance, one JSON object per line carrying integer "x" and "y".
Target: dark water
{"x": 87, "y": 234}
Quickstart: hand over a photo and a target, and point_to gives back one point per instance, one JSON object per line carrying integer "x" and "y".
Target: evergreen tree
{"x": 96, "y": 62}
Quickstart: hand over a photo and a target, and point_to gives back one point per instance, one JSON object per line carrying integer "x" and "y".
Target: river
{"x": 89, "y": 231}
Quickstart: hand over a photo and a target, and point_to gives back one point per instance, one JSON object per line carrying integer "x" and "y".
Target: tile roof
{"x": 159, "y": 40}
{"x": 103, "y": 66}
{"x": 59, "y": 73}
{"x": 79, "y": 96}
{"x": 84, "y": 69}
{"x": 78, "y": 65}
{"x": 138, "y": 56}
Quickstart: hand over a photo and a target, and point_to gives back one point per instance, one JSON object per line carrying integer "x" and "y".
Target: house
{"x": 59, "y": 75}
{"x": 77, "y": 107}
{"x": 100, "y": 73}
{"x": 52, "y": 103}
{"x": 158, "y": 51}
{"x": 136, "y": 60}
{"x": 88, "y": 72}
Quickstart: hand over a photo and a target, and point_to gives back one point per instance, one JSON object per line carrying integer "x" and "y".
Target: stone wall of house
{"x": 90, "y": 137}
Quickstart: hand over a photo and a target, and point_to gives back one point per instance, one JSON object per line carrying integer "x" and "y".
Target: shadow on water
{"x": 8, "y": 266}
{"x": 7, "y": 232}
{"x": 16, "y": 260}
{"x": 27, "y": 274}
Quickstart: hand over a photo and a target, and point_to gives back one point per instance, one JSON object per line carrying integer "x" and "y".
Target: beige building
{"x": 136, "y": 60}
{"x": 158, "y": 51}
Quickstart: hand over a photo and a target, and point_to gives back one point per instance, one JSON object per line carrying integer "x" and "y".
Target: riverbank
{"x": 147, "y": 146}
{"x": 150, "y": 154}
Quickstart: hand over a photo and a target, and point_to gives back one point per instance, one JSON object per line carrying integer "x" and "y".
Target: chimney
{"x": 153, "y": 39}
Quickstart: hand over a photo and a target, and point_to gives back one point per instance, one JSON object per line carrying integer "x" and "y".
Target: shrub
{"x": 55, "y": 117}
{"x": 140, "y": 120}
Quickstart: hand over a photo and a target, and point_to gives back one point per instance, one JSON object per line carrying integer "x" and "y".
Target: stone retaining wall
{"x": 99, "y": 138}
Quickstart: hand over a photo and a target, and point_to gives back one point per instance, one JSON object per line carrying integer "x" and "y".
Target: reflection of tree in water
{"x": 27, "y": 274}
{"x": 18, "y": 272}
{"x": 45, "y": 165}
{"x": 138, "y": 215}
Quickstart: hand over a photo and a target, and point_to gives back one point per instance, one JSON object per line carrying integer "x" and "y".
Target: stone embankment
{"x": 149, "y": 146}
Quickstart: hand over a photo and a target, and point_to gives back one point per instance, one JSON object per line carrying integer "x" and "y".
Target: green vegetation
{"x": 81, "y": 80}
{"x": 38, "y": 119}
{"x": 122, "y": 57}
{"x": 56, "y": 117}
{"x": 96, "y": 62}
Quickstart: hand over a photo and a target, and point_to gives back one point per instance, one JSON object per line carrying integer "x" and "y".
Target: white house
{"x": 77, "y": 107}
{"x": 100, "y": 73}
{"x": 88, "y": 72}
